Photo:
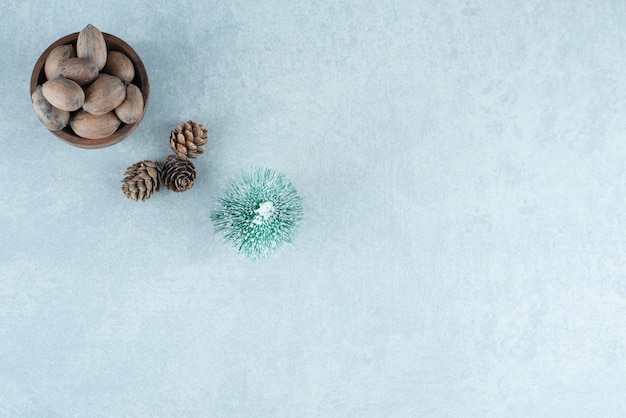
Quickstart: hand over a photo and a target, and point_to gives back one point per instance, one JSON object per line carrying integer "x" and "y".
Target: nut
{"x": 91, "y": 44}
{"x": 81, "y": 70}
{"x": 132, "y": 107}
{"x": 56, "y": 58}
{"x": 104, "y": 94}
{"x": 63, "y": 93}
{"x": 120, "y": 66}
{"x": 52, "y": 118}
{"x": 90, "y": 126}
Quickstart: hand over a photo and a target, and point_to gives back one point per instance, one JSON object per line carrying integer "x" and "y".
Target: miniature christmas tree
{"x": 259, "y": 213}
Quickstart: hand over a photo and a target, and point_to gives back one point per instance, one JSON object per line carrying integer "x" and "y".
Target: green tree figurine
{"x": 259, "y": 212}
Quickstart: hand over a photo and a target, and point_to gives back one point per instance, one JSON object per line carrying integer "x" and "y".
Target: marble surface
{"x": 463, "y": 247}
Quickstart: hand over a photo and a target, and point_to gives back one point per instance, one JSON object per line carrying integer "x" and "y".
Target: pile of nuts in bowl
{"x": 88, "y": 87}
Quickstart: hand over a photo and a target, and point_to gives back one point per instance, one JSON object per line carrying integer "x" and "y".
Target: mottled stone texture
{"x": 463, "y": 252}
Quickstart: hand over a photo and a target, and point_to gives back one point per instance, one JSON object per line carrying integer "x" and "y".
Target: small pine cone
{"x": 178, "y": 173}
{"x": 142, "y": 180}
{"x": 187, "y": 140}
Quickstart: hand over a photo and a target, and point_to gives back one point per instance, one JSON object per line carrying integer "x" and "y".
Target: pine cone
{"x": 142, "y": 180}
{"x": 178, "y": 173}
{"x": 187, "y": 140}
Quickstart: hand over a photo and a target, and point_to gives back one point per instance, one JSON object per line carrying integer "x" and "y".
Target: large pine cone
{"x": 178, "y": 173}
{"x": 142, "y": 180}
{"x": 187, "y": 140}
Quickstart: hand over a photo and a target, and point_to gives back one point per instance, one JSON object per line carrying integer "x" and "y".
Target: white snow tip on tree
{"x": 263, "y": 213}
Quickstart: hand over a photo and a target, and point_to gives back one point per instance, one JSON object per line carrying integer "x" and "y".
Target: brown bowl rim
{"x": 141, "y": 80}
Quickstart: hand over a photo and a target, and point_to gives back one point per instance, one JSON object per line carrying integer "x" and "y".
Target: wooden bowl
{"x": 141, "y": 80}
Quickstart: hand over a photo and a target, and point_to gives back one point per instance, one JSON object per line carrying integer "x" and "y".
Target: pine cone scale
{"x": 152, "y": 172}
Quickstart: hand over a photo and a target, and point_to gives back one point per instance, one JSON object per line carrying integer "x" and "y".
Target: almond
{"x": 104, "y": 94}
{"x": 56, "y": 58}
{"x": 90, "y": 126}
{"x": 120, "y": 66}
{"x": 91, "y": 44}
{"x": 63, "y": 93}
{"x": 52, "y": 118}
{"x": 81, "y": 70}
{"x": 131, "y": 108}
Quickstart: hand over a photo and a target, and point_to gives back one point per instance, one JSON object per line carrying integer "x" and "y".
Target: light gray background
{"x": 463, "y": 249}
